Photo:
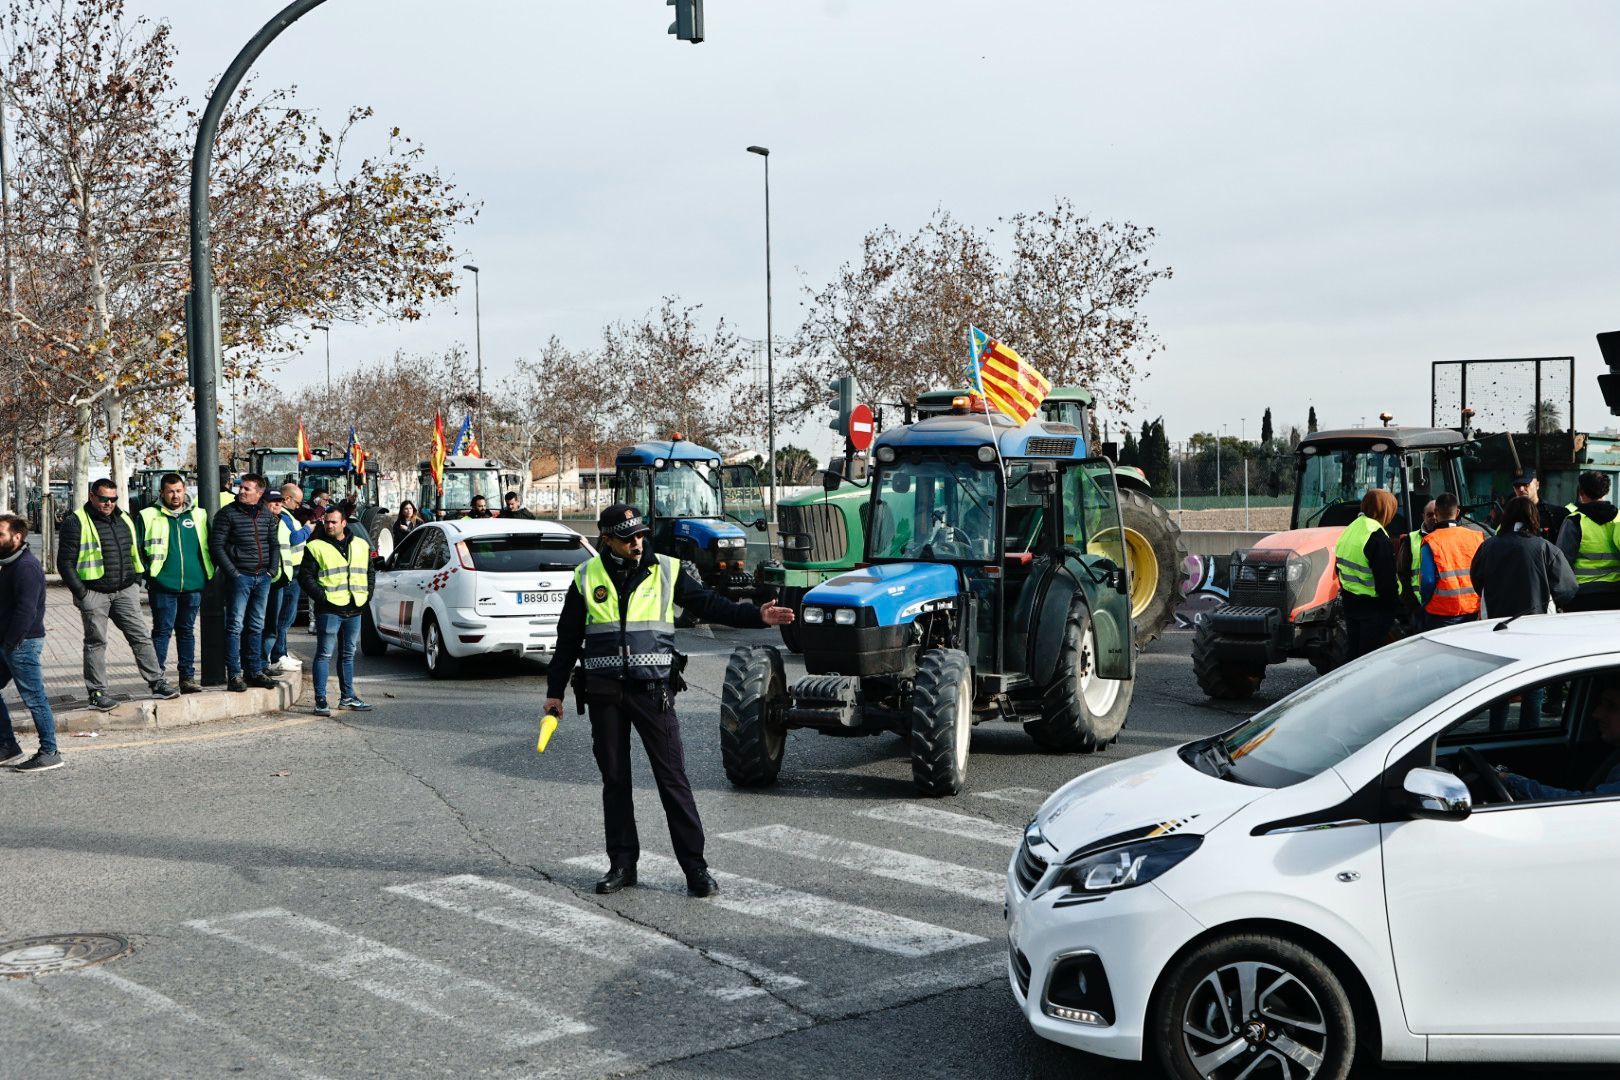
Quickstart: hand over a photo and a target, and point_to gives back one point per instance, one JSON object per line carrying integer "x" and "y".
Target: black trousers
{"x": 1367, "y": 630}
{"x": 652, "y": 713}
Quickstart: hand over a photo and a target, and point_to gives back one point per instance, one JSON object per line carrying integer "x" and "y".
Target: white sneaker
{"x": 291, "y": 663}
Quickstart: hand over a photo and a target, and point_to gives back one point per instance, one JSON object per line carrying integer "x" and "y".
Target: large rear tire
{"x": 752, "y": 736}
{"x": 1080, "y": 712}
{"x": 941, "y": 721}
{"x": 1219, "y": 679}
{"x": 792, "y": 598}
{"x": 1158, "y": 560}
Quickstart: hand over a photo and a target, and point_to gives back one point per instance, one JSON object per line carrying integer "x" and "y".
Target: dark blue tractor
{"x": 994, "y": 586}
{"x": 700, "y": 510}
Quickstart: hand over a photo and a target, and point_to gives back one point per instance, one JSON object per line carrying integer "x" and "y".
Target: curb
{"x": 213, "y": 704}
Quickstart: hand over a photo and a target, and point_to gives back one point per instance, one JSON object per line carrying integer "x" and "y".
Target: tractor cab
{"x": 277, "y": 464}
{"x": 1336, "y": 468}
{"x": 466, "y": 477}
{"x": 994, "y": 586}
{"x": 700, "y": 510}
{"x": 335, "y": 477}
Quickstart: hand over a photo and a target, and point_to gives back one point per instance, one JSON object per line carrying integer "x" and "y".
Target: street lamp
{"x": 478, "y": 335}
{"x": 327, "y": 330}
{"x": 770, "y": 344}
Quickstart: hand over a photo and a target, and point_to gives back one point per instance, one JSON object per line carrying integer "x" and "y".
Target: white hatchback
{"x": 470, "y": 587}
{"x": 1348, "y": 873}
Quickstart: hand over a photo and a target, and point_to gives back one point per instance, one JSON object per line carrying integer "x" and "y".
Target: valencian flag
{"x": 355, "y": 455}
{"x": 304, "y": 453}
{"x": 436, "y": 461}
{"x": 466, "y": 442}
{"x": 1003, "y": 378}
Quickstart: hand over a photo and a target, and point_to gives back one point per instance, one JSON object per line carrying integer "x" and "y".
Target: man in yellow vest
{"x": 173, "y": 539}
{"x": 618, "y": 622}
{"x": 1409, "y": 565}
{"x": 101, "y": 565}
{"x": 337, "y": 576}
{"x": 1588, "y": 541}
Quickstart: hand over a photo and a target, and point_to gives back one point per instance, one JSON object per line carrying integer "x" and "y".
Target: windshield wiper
{"x": 1212, "y": 758}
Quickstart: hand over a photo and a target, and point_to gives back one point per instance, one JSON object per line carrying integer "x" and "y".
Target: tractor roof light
{"x": 659, "y": 463}
{"x": 676, "y": 436}
{"x": 987, "y": 454}
{"x": 885, "y": 454}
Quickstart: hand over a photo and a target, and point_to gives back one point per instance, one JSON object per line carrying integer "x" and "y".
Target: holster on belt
{"x": 577, "y": 681}
{"x": 677, "y": 674}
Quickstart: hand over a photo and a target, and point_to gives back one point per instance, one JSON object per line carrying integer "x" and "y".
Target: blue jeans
{"x": 278, "y": 619}
{"x": 21, "y": 665}
{"x": 176, "y": 613}
{"x": 1529, "y": 711}
{"x": 244, "y": 623}
{"x": 332, "y": 631}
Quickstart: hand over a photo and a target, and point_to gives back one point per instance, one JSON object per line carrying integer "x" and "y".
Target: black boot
{"x": 701, "y": 884}
{"x": 617, "y": 878}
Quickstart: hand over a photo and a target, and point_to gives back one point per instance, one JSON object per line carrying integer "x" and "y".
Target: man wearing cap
{"x": 1527, "y": 485}
{"x": 618, "y": 622}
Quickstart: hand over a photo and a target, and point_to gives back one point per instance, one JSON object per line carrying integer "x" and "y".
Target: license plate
{"x": 540, "y": 597}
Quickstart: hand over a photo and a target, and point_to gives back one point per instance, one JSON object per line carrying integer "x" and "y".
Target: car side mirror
{"x": 1435, "y": 793}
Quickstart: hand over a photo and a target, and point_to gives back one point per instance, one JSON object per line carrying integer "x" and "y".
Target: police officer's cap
{"x": 1523, "y": 476}
{"x": 621, "y": 521}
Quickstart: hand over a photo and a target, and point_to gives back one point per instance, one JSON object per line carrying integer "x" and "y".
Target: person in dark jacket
{"x": 1368, "y": 589}
{"x": 22, "y": 639}
{"x": 515, "y": 508}
{"x": 407, "y": 519}
{"x": 338, "y": 576}
{"x": 101, "y": 565}
{"x": 1516, "y": 572}
{"x": 247, "y": 551}
{"x": 480, "y": 508}
{"x": 1526, "y": 484}
{"x": 1588, "y": 541}
{"x": 618, "y": 621}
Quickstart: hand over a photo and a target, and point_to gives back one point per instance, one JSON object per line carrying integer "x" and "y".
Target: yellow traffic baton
{"x": 548, "y": 725}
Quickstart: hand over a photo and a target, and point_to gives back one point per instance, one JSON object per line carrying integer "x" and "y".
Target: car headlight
{"x": 814, "y": 615}
{"x": 1125, "y": 866}
{"x": 844, "y": 616}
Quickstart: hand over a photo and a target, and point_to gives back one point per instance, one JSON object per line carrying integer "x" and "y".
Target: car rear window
{"x": 526, "y": 553}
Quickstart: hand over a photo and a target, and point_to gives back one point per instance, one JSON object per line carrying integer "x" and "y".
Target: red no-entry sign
{"x": 861, "y": 427}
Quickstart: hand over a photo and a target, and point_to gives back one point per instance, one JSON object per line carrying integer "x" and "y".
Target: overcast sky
{"x": 1346, "y": 191}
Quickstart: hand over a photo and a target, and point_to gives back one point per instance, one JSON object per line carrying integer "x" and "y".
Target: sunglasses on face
{"x": 106, "y": 498}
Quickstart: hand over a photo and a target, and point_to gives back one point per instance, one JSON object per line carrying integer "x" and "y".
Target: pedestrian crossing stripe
{"x": 902, "y": 866}
{"x": 934, "y": 819}
{"x": 1018, "y": 796}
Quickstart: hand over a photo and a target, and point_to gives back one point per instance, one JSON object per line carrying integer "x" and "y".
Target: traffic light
{"x": 688, "y": 24}
{"x": 843, "y": 403}
{"x": 1609, "y": 346}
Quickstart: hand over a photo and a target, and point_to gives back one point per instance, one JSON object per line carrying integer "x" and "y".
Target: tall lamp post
{"x": 478, "y": 337}
{"x": 770, "y": 343}
{"x": 327, "y": 330}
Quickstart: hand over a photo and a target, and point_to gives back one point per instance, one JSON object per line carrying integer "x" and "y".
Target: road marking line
{"x": 773, "y": 980}
{"x": 612, "y": 940}
{"x": 277, "y": 725}
{"x": 911, "y": 986}
{"x": 943, "y": 821}
{"x": 83, "y": 1009}
{"x": 1021, "y": 796}
{"x": 879, "y": 862}
{"x": 392, "y": 974}
{"x": 804, "y": 911}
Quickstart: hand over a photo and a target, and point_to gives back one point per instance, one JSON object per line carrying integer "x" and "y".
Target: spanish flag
{"x": 303, "y": 442}
{"x": 1003, "y": 378}
{"x": 436, "y": 462}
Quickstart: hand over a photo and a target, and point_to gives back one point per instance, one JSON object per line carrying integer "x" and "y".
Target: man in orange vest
{"x": 1448, "y": 552}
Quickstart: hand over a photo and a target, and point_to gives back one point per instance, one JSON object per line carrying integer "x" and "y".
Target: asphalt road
{"x": 407, "y": 892}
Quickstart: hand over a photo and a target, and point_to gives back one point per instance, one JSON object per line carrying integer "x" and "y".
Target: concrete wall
{"x": 1222, "y": 542}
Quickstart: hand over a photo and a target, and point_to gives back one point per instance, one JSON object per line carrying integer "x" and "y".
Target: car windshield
{"x": 1332, "y": 482}
{"x": 686, "y": 489}
{"x": 526, "y": 553}
{"x": 1319, "y": 726}
{"x": 936, "y": 508}
{"x": 460, "y": 485}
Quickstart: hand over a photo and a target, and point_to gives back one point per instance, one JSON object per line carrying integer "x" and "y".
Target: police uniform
{"x": 618, "y": 624}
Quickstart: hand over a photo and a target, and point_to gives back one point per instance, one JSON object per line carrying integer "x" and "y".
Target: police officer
{"x": 1526, "y": 484}
{"x": 618, "y": 622}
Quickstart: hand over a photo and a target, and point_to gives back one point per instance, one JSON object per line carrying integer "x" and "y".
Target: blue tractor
{"x": 994, "y": 586}
{"x": 700, "y": 510}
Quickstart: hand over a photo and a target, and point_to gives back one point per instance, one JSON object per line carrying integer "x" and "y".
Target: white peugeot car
{"x": 1349, "y": 872}
{"x": 470, "y": 587}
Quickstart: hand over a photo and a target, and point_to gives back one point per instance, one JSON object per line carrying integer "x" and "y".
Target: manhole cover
{"x": 59, "y": 952}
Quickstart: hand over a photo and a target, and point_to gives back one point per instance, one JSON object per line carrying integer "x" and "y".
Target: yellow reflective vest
{"x": 343, "y": 575}
{"x": 90, "y": 565}
{"x": 155, "y": 538}
{"x": 642, "y": 646}
{"x": 1350, "y": 556}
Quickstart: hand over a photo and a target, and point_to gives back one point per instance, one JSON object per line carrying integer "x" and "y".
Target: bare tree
{"x": 675, "y": 377}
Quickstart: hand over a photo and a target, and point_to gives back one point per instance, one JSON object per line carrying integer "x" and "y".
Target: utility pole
{"x": 478, "y": 351}
{"x": 19, "y": 501}
{"x": 770, "y": 344}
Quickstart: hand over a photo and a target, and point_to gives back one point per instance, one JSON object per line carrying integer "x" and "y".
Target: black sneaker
{"x": 101, "y": 701}
{"x": 236, "y": 684}
{"x": 262, "y": 681}
{"x": 11, "y": 753}
{"x": 701, "y": 884}
{"x": 162, "y": 691}
{"x": 41, "y": 762}
{"x": 274, "y": 671}
{"x": 322, "y": 708}
{"x": 190, "y": 686}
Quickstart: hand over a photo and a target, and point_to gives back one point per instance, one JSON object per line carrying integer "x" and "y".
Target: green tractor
{"x": 823, "y": 533}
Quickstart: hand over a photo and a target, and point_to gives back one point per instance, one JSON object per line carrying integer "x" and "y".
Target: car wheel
{"x": 941, "y": 721}
{"x": 440, "y": 664}
{"x": 1080, "y": 711}
{"x": 371, "y": 642}
{"x": 1219, "y": 679}
{"x": 752, "y": 736}
{"x": 1253, "y": 1005}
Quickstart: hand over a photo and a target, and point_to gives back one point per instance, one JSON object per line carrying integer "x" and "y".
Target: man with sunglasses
{"x": 101, "y": 565}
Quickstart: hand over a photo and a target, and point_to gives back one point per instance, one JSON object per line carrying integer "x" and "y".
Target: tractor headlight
{"x": 733, "y": 542}
{"x": 1296, "y": 569}
{"x": 814, "y": 615}
{"x": 885, "y": 454}
{"x": 844, "y": 616}
{"x": 1125, "y": 866}
{"x": 987, "y": 454}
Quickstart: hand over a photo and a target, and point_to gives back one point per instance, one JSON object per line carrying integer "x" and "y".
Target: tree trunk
{"x": 113, "y": 407}
{"x": 559, "y": 483}
{"x": 83, "y": 430}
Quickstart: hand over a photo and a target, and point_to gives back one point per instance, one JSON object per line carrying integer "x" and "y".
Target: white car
{"x": 1346, "y": 873}
{"x": 470, "y": 587}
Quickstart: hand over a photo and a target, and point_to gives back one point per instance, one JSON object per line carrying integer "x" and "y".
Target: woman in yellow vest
{"x": 1368, "y": 588}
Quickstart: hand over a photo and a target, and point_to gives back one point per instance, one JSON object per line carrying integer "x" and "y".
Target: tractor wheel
{"x": 1337, "y": 651}
{"x": 941, "y": 721}
{"x": 1228, "y": 682}
{"x": 752, "y": 737}
{"x": 1158, "y": 560}
{"x": 792, "y": 598}
{"x": 1080, "y": 711}
{"x": 371, "y": 642}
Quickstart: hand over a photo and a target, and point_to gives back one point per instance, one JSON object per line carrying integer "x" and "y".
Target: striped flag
{"x": 1008, "y": 383}
{"x": 436, "y": 461}
{"x": 304, "y": 453}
